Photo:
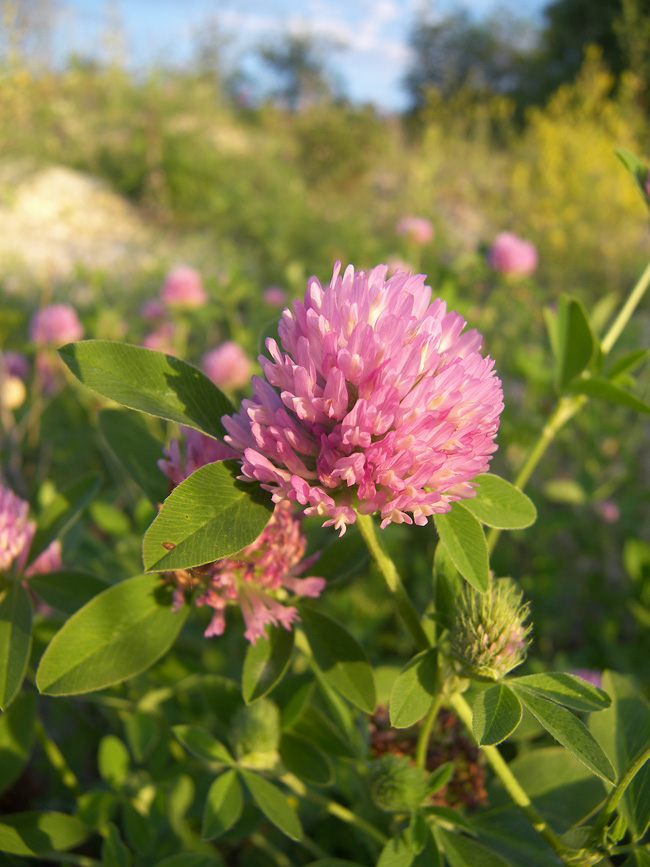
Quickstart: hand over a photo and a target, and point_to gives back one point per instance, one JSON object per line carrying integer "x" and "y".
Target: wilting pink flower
{"x": 152, "y": 310}
{"x": 16, "y": 534}
{"x": 511, "y": 254}
{"x": 15, "y": 364}
{"x": 55, "y": 325}
{"x": 275, "y": 296}
{"x": 228, "y": 366}
{"x": 200, "y": 449}
{"x": 608, "y": 511}
{"x": 183, "y": 288}
{"x": 253, "y": 578}
{"x": 419, "y": 230}
{"x": 161, "y": 339}
{"x": 378, "y": 403}
{"x": 258, "y": 577}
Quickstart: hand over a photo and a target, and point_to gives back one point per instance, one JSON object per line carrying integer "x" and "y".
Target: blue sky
{"x": 373, "y": 33}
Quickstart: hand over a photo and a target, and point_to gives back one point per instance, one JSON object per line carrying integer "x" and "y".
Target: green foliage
{"x": 499, "y": 504}
{"x": 16, "y": 737}
{"x": 208, "y": 516}
{"x": 414, "y": 689}
{"x": 15, "y": 639}
{"x": 265, "y": 664}
{"x": 462, "y": 536}
{"x": 497, "y": 713}
{"x": 136, "y": 450}
{"x": 119, "y": 633}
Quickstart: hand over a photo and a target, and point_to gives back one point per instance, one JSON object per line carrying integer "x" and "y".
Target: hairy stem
{"x": 510, "y": 782}
{"x": 424, "y": 735}
{"x": 394, "y": 582}
{"x": 334, "y": 808}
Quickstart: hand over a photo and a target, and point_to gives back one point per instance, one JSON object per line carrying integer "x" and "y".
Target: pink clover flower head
{"x": 376, "y": 402}
{"x": 15, "y": 364}
{"x": 608, "y": 510}
{"x": 152, "y": 310}
{"x": 227, "y": 365}
{"x": 16, "y": 534}
{"x": 275, "y": 296}
{"x": 200, "y": 449}
{"x": 418, "y": 230}
{"x": 55, "y": 325}
{"x": 260, "y": 578}
{"x": 160, "y": 339}
{"x": 183, "y": 288}
{"x": 510, "y": 254}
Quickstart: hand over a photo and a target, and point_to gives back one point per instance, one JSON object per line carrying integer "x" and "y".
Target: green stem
{"x": 57, "y": 759}
{"x": 422, "y": 748}
{"x": 626, "y": 312}
{"x": 260, "y": 841}
{"x": 566, "y": 408}
{"x": 394, "y": 582}
{"x": 510, "y": 782}
{"x": 334, "y": 808}
{"x": 617, "y": 793}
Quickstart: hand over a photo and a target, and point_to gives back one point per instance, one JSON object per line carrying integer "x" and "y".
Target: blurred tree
{"x": 459, "y": 52}
{"x": 26, "y": 30}
{"x": 300, "y": 66}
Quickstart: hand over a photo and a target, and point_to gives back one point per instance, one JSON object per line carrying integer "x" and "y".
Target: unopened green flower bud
{"x": 489, "y": 633}
{"x": 255, "y": 734}
{"x": 397, "y": 786}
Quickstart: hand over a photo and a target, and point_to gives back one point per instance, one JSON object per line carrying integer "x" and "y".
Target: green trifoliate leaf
{"x": 265, "y": 663}
{"x": 119, "y": 633}
{"x": 37, "y": 834}
{"x": 208, "y": 516}
{"x": 576, "y": 341}
{"x": 201, "y": 744}
{"x": 462, "y": 535}
{"x": 568, "y": 730}
{"x": 414, "y": 689}
{"x": 341, "y": 658}
{"x": 274, "y": 804}
{"x": 499, "y": 504}
{"x": 15, "y": 639}
{"x": 223, "y": 805}
{"x": 150, "y": 382}
{"x": 565, "y": 689}
{"x": 497, "y": 713}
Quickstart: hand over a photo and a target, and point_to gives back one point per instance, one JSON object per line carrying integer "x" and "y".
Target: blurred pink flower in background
{"x": 647, "y": 184}
{"x": 377, "y": 403}
{"x": 419, "y": 230}
{"x": 183, "y": 288}
{"x": 275, "y": 296}
{"x": 251, "y": 580}
{"x": 227, "y": 365}
{"x": 16, "y": 534}
{"x": 510, "y": 254}
{"x": 15, "y": 364}
{"x": 152, "y": 309}
{"x": 608, "y": 511}
{"x": 161, "y": 339}
{"x": 55, "y": 325}
{"x": 590, "y": 675}
{"x": 397, "y": 264}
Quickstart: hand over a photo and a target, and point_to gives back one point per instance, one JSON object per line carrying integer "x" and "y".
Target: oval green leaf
{"x": 603, "y": 389}
{"x": 36, "y": 833}
{"x": 341, "y": 658}
{"x": 201, "y": 744}
{"x": 576, "y": 341}
{"x": 208, "y": 516}
{"x": 305, "y": 760}
{"x": 496, "y": 714}
{"x": 565, "y": 689}
{"x": 150, "y": 382}
{"x": 569, "y": 731}
{"x": 16, "y": 737}
{"x": 637, "y": 168}
{"x": 67, "y": 590}
{"x": 136, "y": 450}
{"x": 461, "y": 851}
{"x": 117, "y": 634}
{"x": 499, "y": 504}
{"x": 462, "y": 536}
{"x": 265, "y": 663}
{"x": 61, "y": 512}
{"x": 223, "y": 805}
{"x": 15, "y": 640}
{"x": 273, "y": 803}
{"x": 414, "y": 689}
